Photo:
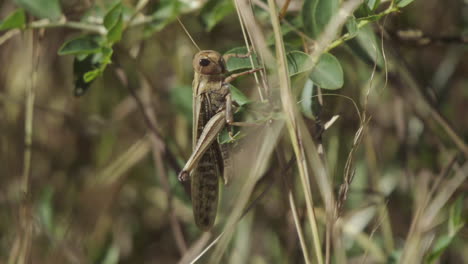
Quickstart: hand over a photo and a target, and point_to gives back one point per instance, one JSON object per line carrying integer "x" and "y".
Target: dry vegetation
{"x": 360, "y": 158}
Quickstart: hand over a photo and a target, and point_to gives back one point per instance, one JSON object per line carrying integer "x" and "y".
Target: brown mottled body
{"x": 212, "y": 109}
{"x": 209, "y": 97}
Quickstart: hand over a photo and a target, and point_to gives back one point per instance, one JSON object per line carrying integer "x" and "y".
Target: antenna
{"x": 188, "y": 34}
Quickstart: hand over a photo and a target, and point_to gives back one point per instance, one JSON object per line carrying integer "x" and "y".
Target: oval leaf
{"x": 42, "y": 8}
{"x": 308, "y": 100}
{"x": 237, "y": 64}
{"x": 112, "y": 16}
{"x": 214, "y": 11}
{"x": 403, "y": 3}
{"x": 298, "y": 62}
{"x": 352, "y": 27}
{"x": 238, "y": 96}
{"x": 328, "y": 73}
{"x": 115, "y": 33}
{"x": 372, "y": 4}
{"x": 367, "y": 46}
{"x": 80, "y": 46}
{"x": 166, "y": 11}
{"x": 17, "y": 19}
{"x": 316, "y": 14}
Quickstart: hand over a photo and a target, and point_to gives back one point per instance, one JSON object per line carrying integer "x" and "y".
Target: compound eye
{"x": 204, "y": 62}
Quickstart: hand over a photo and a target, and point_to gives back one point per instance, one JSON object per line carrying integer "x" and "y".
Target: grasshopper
{"x": 212, "y": 110}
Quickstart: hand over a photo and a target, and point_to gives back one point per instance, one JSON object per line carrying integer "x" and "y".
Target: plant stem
{"x": 361, "y": 24}
{"x": 291, "y": 122}
{"x": 25, "y": 207}
{"x": 45, "y": 23}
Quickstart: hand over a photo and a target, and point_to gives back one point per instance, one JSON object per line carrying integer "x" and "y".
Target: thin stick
{"x": 256, "y": 36}
{"x": 241, "y": 22}
{"x": 45, "y": 23}
{"x": 25, "y": 210}
{"x": 292, "y": 203}
{"x": 188, "y": 34}
{"x": 284, "y": 9}
{"x": 9, "y": 34}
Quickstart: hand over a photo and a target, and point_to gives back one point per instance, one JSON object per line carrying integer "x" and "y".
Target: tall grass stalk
{"x": 291, "y": 123}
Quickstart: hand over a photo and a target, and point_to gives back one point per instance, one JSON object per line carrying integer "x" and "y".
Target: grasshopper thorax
{"x": 209, "y": 62}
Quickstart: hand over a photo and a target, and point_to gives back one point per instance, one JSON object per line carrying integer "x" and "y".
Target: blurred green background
{"x": 98, "y": 183}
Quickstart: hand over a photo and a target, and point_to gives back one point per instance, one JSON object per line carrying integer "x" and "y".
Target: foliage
{"x": 347, "y": 115}
{"x": 16, "y": 19}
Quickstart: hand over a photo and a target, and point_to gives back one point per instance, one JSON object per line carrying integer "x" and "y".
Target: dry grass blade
{"x": 195, "y": 249}
{"x": 260, "y": 147}
{"x": 291, "y": 122}
{"x": 297, "y": 223}
{"x": 426, "y": 214}
{"x": 114, "y": 171}
{"x": 242, "y": 24}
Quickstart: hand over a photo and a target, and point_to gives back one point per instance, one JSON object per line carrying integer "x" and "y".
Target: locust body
{"x": 212, "y": 110}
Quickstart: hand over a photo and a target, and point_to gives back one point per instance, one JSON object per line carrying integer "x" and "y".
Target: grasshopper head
{"x": 209, "y": 62}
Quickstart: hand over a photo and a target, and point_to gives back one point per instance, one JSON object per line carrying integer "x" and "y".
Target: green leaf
{"x": 113, "y": 21}
{"x": 91, "y": 75}
{"x": 80, "y": 67}
{"x": 224, "y": 138}
{"x": 308, "y": 14}
{"x": 81, "y": 45}
{"x": 293, "y": 41}
{"x": 87, "y": 69}
{"x": 370, "y": 18}
{"x": 367, "y": 46}
{"x": 309, "y": 100}
{"x": 298, "y": 62}
{"x": 325, "y": 10}
{"x": 112, "y": 255}
{"x": 352, "y": 27}
{"x": 363, "y": 11}
{"x": 238, "y": 96}
{"x": 115, "y": 33}
{"x": 214, "y": 11}
{"x": 403, "y": 3}
{"x": 42, "y": 8}
{"x": 455, "y": 224}
{"x": 372, "y": 4}
{"x": 165, "y": 12}
{"x": 441, "y": 244}
{"x": 395, "y": 257}
{"x": 316, "y": 14}
{"x": 328, "y": 73}
{"x": 456, "y": 221}
{"x": 45, "y": 208}
{"x": 113, "y": 16}
{"x": 237, "y": 64}
{"x": 17, "y": 19}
